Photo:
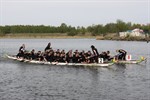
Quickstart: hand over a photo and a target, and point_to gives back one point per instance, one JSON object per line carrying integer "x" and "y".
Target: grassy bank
{"x": 44, "y": 35}
{"x": 112, "y": 36}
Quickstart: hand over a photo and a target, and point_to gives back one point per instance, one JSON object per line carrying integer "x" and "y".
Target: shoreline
{"x": 43, "y": 36}
{"x": 64, "y": 36}
{"x": 46, "y": 37}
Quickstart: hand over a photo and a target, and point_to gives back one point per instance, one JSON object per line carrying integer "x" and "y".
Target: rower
{"x": 21, "y": 51}
{"x": 106, "y": 56}
{"x": 76, "y": 58}
{"x": 88, "y": 56}
{"x": 121, "y": 54}
{"x": 32, "y": 55}
{"x": 50, "y": 56}
{"x": 82, "y": 56}
{"x": 22, "y": 48}
{"x": 69, "y": 56}
{"x": 48, "y": 47}
{"x": 95, "y": 53}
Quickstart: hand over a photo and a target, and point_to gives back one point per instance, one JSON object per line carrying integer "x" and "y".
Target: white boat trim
{"x": 58, "y": 63}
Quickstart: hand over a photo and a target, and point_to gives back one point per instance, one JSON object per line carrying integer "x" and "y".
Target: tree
{"x": 63, "y": 28}
{"x": 121, "y": 26}
{"x": 96, "y": 29}
{"x": 6, "y": 29}
{"x": 111, "y": 28}
{"x": 81, "y": 30}
{"x": 72, "y": 31}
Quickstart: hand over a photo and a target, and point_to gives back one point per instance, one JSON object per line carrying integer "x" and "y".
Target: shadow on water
{"x": 118, "y": 68}
{"x": 95, "y": 81}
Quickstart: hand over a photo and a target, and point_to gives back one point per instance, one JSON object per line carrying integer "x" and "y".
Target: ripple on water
{"x": 21, "y": 81}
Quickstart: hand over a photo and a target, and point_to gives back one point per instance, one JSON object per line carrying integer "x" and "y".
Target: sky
{"x": 73, "y": 12}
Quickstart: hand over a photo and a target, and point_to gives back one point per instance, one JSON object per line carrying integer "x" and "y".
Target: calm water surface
{"x": 22, "y": 81}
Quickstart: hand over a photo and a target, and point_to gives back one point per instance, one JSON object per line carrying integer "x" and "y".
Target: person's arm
{"x": 123, "y": 51}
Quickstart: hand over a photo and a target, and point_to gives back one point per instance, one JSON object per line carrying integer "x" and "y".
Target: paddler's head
{"x": 92, "y": 46}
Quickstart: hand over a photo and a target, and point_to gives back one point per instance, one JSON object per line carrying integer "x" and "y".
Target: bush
{"x": 72, "y": 33}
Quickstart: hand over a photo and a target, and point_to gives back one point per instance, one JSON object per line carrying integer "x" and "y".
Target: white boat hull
{"x": 58, "y": 63}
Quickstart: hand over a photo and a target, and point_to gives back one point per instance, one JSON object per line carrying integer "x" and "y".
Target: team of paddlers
{"x": 58, "y": 55}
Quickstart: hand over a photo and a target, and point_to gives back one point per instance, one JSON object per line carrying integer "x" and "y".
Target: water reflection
{"x": 95, "y": 83}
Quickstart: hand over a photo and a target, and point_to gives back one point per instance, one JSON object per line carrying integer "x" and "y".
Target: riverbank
{"x": 113, "y": 36}
{"x": 44, "y": 35}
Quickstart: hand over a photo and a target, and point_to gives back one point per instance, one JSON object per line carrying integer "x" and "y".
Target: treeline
{"x": 94, "y": 30}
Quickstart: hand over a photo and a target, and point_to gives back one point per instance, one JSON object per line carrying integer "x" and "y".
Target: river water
{"x": 22, "y": 81}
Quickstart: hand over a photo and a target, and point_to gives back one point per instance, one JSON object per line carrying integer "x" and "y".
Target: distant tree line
{"x": 94, "y": 30}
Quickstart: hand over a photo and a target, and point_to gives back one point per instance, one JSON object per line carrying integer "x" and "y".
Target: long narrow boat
{"x": 142, "y": 59}
{"x": 105, "y": 64}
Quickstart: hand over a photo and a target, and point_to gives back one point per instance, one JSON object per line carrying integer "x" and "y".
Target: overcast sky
{"x": 73, "y": 12}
